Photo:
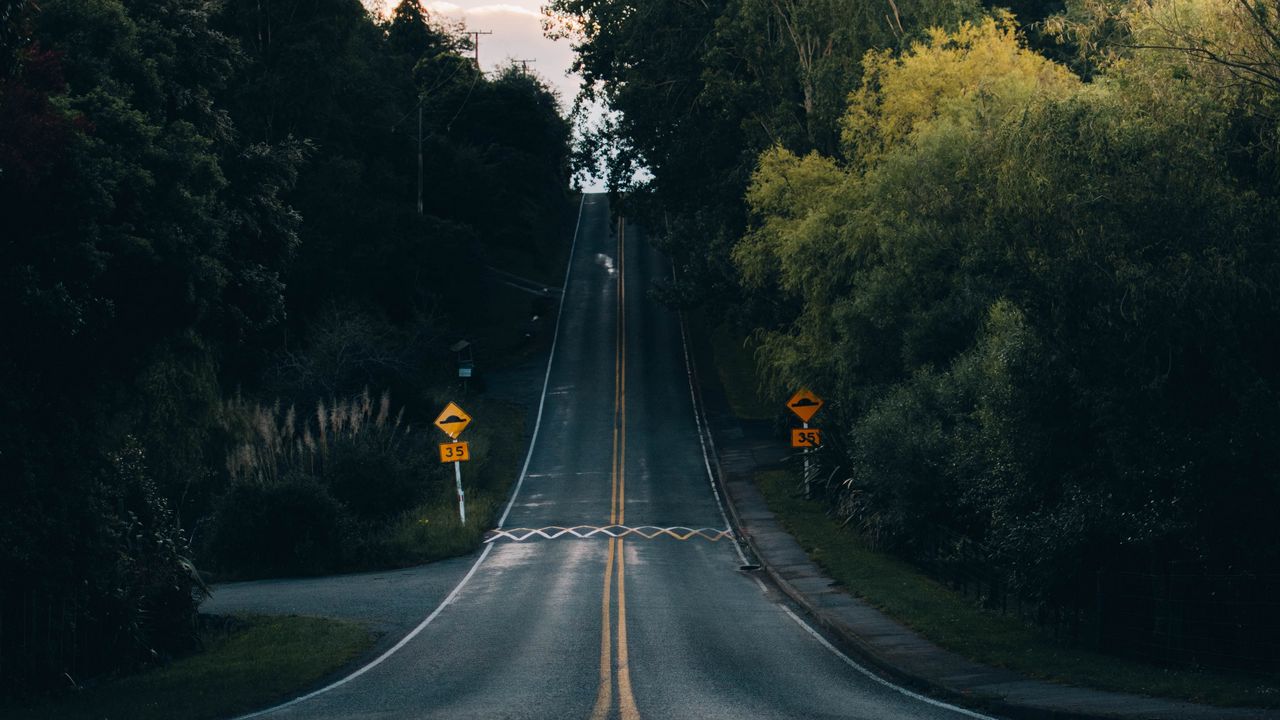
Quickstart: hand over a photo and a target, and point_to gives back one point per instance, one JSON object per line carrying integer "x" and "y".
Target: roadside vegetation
{"x": 245, "y": 663}
{"x": 1027, "y": 258}
{"x": 955, "y": 622}
{"x": 931, "y": 603}
{"x": 352, "y": 486}
{"x": 228, "y": 319}
{"x": 733, "y": 356}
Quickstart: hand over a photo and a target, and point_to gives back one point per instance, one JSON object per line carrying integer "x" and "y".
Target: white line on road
{"x": 533, "y": 441}
{"x": 856, "y": 666}
{"x": 703, "y": 434}
{"x": 703, "y": 430}
{"x": 546, "y": 379}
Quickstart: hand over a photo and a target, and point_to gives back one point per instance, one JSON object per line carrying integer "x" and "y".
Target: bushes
{"x": 181, "y": 203}
{"x": 317, "y": 493}
{"x": 1038, "y": 308}
{"x": 349, "y": 346}
{"x": 118, "y": 593}
{"x": 292, "y": 526}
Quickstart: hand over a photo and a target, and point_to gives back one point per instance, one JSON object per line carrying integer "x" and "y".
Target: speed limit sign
{"x": 806, "y": 438}
{"x": 454, "y": 452}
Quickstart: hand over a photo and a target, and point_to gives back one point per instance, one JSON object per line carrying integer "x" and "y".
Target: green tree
{"x": 1035, "y": 306}
{"x": 133, "y": 264}
{"x": 700, "y": 91}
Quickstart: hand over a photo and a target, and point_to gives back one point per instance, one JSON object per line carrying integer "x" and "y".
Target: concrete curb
{"x": 1064, "y": 707}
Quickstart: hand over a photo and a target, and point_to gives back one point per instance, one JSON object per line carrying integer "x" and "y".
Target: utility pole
{"x": 524, "y": 64}
{"x": 475, "y": 34}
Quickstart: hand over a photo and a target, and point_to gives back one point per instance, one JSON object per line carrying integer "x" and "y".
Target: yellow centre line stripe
{"x": 622, "y": 372}
{"x": 617, "y": 515}
{"x": 626, "y": 701}
{"x": 604, "y": 695}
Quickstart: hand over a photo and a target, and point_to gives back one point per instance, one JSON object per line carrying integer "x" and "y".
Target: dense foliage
{"x": 200, "y": 199}
{"x": 699, "y": 90}
{"x": 1033, "y": 272}
{"x": 1043, "y": 306}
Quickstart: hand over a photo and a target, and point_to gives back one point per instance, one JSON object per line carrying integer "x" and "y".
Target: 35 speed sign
{"x": 806, "y": 438}
{"x": 454, "y": 452}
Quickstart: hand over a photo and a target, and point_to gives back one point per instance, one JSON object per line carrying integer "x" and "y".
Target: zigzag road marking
{"x": 647, "y": 532}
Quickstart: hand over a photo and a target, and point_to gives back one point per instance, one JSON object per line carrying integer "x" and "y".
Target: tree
{"x": 701, "y": 89}
{"x": 1034, "y": 306}
{"x": 132, "y": 266}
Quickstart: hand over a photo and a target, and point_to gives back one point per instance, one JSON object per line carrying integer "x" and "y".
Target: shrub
{"x": 306, "y": 492}
{"x": 115, "y": 593}
{"x": 291, "y": 526}
{"x": 373, "y": 483}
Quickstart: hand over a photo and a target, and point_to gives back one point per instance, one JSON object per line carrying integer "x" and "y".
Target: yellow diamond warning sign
{"x": 805, "y": 405}
{"x": 453, "y": 420}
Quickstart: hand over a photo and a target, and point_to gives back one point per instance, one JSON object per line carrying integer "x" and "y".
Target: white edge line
{"x": 533, "y": 441}
{"x": 860, "y": 668}
{"x": 703, "y": 431}
{"x": 546, "y": 379}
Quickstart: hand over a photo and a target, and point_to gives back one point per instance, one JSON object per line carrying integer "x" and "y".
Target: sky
{"x": 517, "y": 35}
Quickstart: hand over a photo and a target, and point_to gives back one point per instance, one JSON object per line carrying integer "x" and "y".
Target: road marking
{"x": 583, "y": 532}
{"x": 617, "y": 515}
{"x": 626, "y": 701}
{"x": 619, "y": 511}
{"x": 515, "y": 492}
{"x": 546, "y": 378}
{"x": 704, "y": 438}
{"x": 604, "y": 695}
{"x": 863, "y": 670}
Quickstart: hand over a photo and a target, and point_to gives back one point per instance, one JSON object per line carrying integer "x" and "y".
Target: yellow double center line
{"x": 617, "y": 516}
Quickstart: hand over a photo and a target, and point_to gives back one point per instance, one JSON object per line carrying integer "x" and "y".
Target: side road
{"x": 742, "y": 448}
{"x": 392, "y": 601}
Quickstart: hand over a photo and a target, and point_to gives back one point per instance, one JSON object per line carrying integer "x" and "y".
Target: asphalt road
{"x": 600, "y": 626}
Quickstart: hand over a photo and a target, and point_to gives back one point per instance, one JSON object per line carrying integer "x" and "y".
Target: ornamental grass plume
{"x": 273, "y": 444}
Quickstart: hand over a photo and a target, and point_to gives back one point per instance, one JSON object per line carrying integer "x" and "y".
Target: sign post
{"x": 805, "y": 405}
{"x": 452, "y": 421}
{"x": 462, "y": 497}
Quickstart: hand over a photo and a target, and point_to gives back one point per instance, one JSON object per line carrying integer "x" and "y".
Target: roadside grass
{"x": 956, "y": 623}
{"x": 261, "y": 660}
{"x": 734, "y": 360}
{"x": 433, "y": 531}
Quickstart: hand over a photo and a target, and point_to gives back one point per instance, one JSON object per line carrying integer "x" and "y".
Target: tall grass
{"x": 351, "y": 486}
{"x": 273, "y": 444}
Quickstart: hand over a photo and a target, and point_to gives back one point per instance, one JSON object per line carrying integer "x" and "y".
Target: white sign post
{"x": 805, "y": 405}
{"x": 462, "y": 498}
{"x": 452, "y": 421}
